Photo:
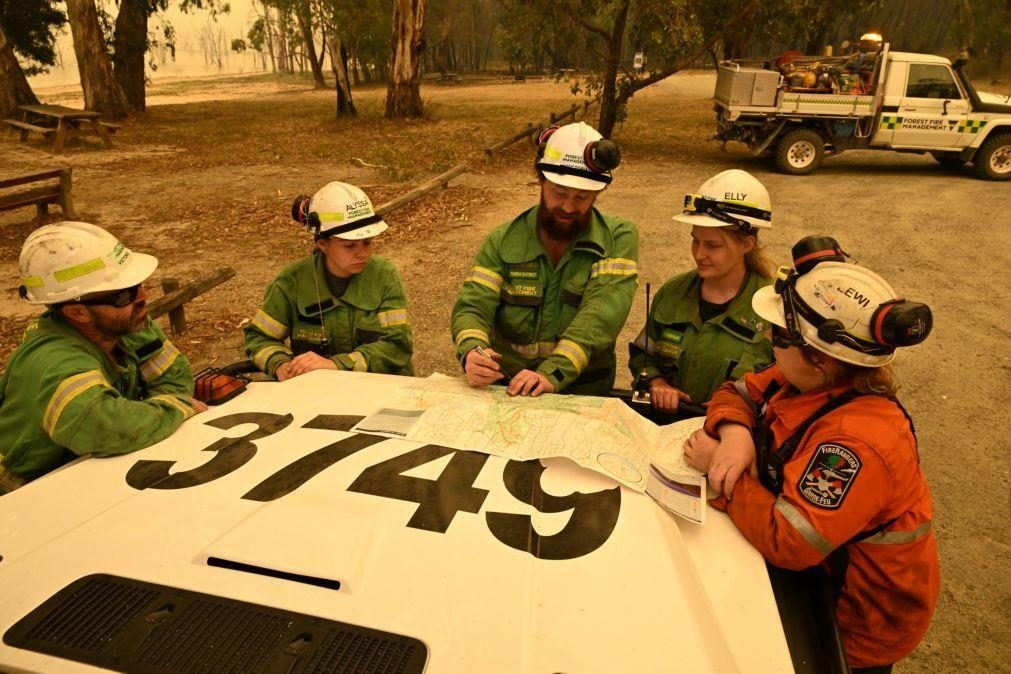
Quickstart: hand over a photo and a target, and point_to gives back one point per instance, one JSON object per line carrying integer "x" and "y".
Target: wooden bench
{"x": 111, "y": 127}
{"x": 57, "y": 192}
{"x": 25, "y": 127}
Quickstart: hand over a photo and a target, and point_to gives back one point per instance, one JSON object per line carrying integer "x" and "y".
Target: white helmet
{"x": 731, "y": 198}
{"x": 576, "y": 156}
{"x": 340, "y": 210}
{"x": 841, "y": 309}
{"x": 67, "y": 260}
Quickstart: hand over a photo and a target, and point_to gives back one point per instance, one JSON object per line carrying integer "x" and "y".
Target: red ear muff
{"x": 811, "y": 250}
{"x": 602, "y": 155}
{"x": 300, "y": 209}
{"x": 542, "y": 137}
{"x": 901, "y": 323}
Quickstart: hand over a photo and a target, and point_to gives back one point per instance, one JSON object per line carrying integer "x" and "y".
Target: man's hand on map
{"x": 482, "y": 368}
{"x": 724, "y": 460}
{"x": 529, "y": 383}
{"x": 305, "y": 362}
{"x": 665, "y": 397}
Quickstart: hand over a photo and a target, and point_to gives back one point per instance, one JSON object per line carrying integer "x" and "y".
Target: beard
{"x": 562, "y": 230}
{"x": 118, "y": 325}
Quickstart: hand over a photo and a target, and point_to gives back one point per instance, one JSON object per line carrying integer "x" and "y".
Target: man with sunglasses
{"x": 94, "y": 374}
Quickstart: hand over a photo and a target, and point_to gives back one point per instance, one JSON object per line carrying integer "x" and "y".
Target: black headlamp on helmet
{"x": 894, "y": 323}
{"x": 725, "y": 211}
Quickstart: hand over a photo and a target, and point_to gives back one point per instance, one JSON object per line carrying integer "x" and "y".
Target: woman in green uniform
{"x": 340, "y": 308}
{"x": 701, "y": 328}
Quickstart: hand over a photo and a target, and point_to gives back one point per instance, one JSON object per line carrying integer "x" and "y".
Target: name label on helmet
{"x": 119, "y": 254}
{"x": 734, "y": 196}
{"x": 357, "y": 209}
{"x": 855, "y": 294}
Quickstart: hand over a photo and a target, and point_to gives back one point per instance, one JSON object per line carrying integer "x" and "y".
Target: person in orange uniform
{"x": 816, "y": 460}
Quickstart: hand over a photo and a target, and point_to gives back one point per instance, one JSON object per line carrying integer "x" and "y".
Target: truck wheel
{"x": 947, "y": 159}
{"x": 799, "y": 152}
{"x": 993, "y": 159}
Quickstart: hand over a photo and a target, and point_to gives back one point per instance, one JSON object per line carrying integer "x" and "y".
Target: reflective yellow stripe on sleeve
{"x": 614, "y": 266}
{"x": 359, "y": 360}
{"x": 155, "y": 366}
{"x": 263, "y": 356}
{"x": 899, "y": 537}
{"x": 175, "y": 402}
{"x": 69, "y": 388}
{"x": 270, "y": 326}
{"x": 803, "y": 527}
{"x": 393, "y": 318}
{"x": 574, "y": 352}
{"x": 472, "y": 333}
{"x": 486, "y": 277}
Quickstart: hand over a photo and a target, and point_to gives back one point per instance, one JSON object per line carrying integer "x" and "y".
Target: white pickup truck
{"x": 799, "y": 109}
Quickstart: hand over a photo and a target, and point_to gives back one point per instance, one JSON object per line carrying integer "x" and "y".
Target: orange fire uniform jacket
{"x": 853, "y": 491}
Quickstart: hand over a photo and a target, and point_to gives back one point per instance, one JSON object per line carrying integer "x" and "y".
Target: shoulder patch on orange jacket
{"x": 829, "y": 475}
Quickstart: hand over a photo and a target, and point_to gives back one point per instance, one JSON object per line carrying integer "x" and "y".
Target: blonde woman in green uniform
{"x": 701, "y": 328}
{"x": 341, "y": 308}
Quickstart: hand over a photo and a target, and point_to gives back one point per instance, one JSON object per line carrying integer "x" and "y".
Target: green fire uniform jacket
{"x": 561, "y": 321}
{"x": 61, "y": 396}
{"x": 366, "y": 329}
{"x": 697, "y": 357}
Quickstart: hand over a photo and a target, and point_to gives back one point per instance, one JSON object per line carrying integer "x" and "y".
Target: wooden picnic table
{"x": 62, "y": 122}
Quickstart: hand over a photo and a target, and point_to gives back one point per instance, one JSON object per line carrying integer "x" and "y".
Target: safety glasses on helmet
{"x": 725, "y": 211}
{"x": 119, "y": 299}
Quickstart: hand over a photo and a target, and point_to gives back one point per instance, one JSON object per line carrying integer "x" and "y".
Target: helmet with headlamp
{"x": 839, "y": 308}
{"x": 733, "y": 198}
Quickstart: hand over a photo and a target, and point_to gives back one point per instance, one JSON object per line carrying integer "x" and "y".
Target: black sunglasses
{"x": 119, "y": 299}
{"x": 782, "y": 339}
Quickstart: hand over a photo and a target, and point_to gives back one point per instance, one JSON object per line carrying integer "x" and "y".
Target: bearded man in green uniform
{"x": 93, "y": 375}
{"x": 550, "y": 291}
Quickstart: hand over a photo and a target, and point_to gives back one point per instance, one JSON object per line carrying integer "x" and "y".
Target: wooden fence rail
{"x": 175, "y": 297}
{"x": 528, "y": 132}
{"x": 441, "y": 180}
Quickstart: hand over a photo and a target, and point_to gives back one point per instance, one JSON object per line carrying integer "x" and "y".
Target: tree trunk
{"x": 609, "y": 94}
{"x": 305, "y": 24}
{"x": 403, "y": 93}
{"x": 14, "y": 87}
{"x": 101, "y": 90}
{"x": 280, "y": 43}
{"x": 130, "y": 40}
{"x": 339, "y": 64}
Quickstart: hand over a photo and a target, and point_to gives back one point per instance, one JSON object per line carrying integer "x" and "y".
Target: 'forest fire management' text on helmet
{"x": 341, "y": 210}
{"x": 576, "y": 156}
{"x": 64, "y": 261}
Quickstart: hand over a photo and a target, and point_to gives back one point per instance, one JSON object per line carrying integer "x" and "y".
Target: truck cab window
{"x": 931, "y": 81}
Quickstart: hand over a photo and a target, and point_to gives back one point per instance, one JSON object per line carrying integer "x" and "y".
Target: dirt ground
{"x": 206, "y": 176}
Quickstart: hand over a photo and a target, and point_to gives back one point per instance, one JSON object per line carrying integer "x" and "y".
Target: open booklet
{"x": 602, "y": 434}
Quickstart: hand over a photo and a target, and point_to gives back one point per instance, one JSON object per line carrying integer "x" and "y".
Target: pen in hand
{"x": 506, "y": 377}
